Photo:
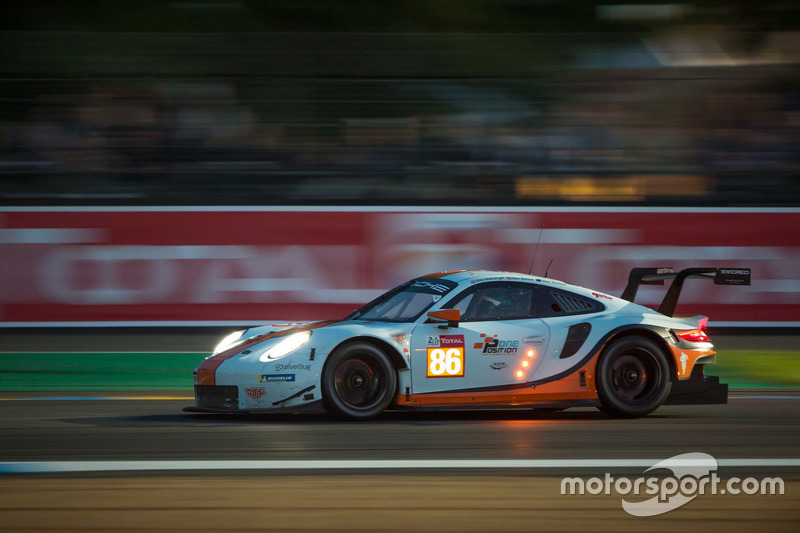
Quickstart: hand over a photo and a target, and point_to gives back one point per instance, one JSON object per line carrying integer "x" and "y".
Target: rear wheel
{"x": 633, "y": 378}
{"x": 359, "y": 381}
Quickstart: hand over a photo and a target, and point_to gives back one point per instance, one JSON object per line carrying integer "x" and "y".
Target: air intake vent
{"x": 571, "y": 304}
{"x": 217, "y": 397}
{"x": 575, "y": 338}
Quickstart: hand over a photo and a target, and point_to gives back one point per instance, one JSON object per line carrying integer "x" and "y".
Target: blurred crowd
{"x": 604, "y": 126}
{"x": 145, "y": 139}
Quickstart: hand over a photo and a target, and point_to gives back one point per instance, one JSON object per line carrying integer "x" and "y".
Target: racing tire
{"x": 633, "y": 378}
{"x": 359, "y": 382}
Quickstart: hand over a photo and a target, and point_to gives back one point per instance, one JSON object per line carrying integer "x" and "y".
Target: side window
{"x": 463, "y": 304}
{"x": 495, "y": 301}
{"x": 555, "y": 302}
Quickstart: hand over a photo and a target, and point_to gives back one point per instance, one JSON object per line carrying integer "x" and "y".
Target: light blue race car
{"x": 476, "y": 339}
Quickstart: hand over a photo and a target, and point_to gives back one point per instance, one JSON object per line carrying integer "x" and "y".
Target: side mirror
{"x": 452, "y": 316}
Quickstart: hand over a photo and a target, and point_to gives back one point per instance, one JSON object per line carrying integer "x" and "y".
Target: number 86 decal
{"x": 445, "y": 363}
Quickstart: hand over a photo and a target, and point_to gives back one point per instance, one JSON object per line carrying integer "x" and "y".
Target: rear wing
{"x": 657, "y": 276}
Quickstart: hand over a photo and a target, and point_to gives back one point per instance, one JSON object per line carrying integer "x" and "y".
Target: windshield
{"x": 406, "y": 302}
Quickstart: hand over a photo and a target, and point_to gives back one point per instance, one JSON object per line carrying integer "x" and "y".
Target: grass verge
{"x": 758, "y": 369}
{"x": 740, "y": 369}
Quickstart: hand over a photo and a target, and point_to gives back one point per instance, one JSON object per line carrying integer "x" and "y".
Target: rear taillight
{"x": 693, "y": 335}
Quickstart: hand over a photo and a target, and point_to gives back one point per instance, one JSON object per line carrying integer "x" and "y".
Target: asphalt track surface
{"x": 162, "y": 469}
{"x": 136, "y": 462}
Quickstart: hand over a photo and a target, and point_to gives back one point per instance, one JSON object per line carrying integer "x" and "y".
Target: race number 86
{"x": 445, "y": 362}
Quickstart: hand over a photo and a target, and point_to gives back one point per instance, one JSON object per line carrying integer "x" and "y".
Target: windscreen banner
{"x": 168, "y": 266}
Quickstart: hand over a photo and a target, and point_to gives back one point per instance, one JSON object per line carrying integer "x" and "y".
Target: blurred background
{"x": 493, "y": 102}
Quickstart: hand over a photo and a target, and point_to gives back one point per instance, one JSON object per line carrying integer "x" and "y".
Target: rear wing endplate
{"x": 657, "y": 276}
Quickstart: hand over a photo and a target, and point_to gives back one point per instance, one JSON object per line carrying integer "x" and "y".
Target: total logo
{"x": 491, "y": 345}
{"x": 446, "y": 341}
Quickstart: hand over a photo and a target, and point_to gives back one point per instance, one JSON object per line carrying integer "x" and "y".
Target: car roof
{"x": 470, "y": 277}
{"x": 480, "y": 276}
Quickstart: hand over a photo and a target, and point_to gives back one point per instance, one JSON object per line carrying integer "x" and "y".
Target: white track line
{"x": 453, "y": 464}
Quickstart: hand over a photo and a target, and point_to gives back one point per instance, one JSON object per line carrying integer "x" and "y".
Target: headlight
{"x": 286, "y": 346}
{"x": 228, "y": 341}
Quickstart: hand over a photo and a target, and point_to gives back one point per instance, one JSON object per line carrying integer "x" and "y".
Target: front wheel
{"x": 359, "y": 381}
{"x": 633, "y": 378}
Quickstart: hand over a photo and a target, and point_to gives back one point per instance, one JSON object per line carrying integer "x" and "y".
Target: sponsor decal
{"x": 599, "y": 295}
{"x": 271, "y": 378}
{"x": 498, "y": 366}
{"x": 491, "y": 345}
{"x": 431, "y": 286}
{"x": 446, "y": 356}
{"x": 737, "y": 272}
{"x": 732, "y": 276}
{"x": 399, "y": 338}
{"x": 684, "y": 360}
{"x": 451, "y": 340}
{"x": 292, "y": 366}
{"x": 503, "y": 278}
{"x": 446, "y": 340}
{"x": 255, "y": 392}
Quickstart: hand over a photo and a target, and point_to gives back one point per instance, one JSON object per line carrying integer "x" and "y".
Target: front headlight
{"x": 228, "y": 341}
{"x": 286, "y": 346}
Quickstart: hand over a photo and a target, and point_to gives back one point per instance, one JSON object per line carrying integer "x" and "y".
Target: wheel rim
{"x": 359, "y": 382}
{"x": 635, "y": 376}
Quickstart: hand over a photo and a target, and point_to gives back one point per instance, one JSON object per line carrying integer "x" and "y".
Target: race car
{"x": 476, "y": 339}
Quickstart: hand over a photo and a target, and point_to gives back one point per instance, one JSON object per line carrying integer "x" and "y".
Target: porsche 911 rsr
{"x": 476, "y": 339}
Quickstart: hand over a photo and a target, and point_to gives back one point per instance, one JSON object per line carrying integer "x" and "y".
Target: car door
{"x": 497, "y": 342}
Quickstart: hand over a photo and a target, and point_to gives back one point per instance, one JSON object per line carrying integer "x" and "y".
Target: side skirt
{"x": 563, "y": 404}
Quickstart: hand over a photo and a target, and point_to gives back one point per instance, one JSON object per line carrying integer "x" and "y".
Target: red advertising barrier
{"x": 224, "y": 266}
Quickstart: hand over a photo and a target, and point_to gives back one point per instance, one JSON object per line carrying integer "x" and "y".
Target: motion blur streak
{"x": 249, "y": 266}
{"x": 475, "y": 464}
